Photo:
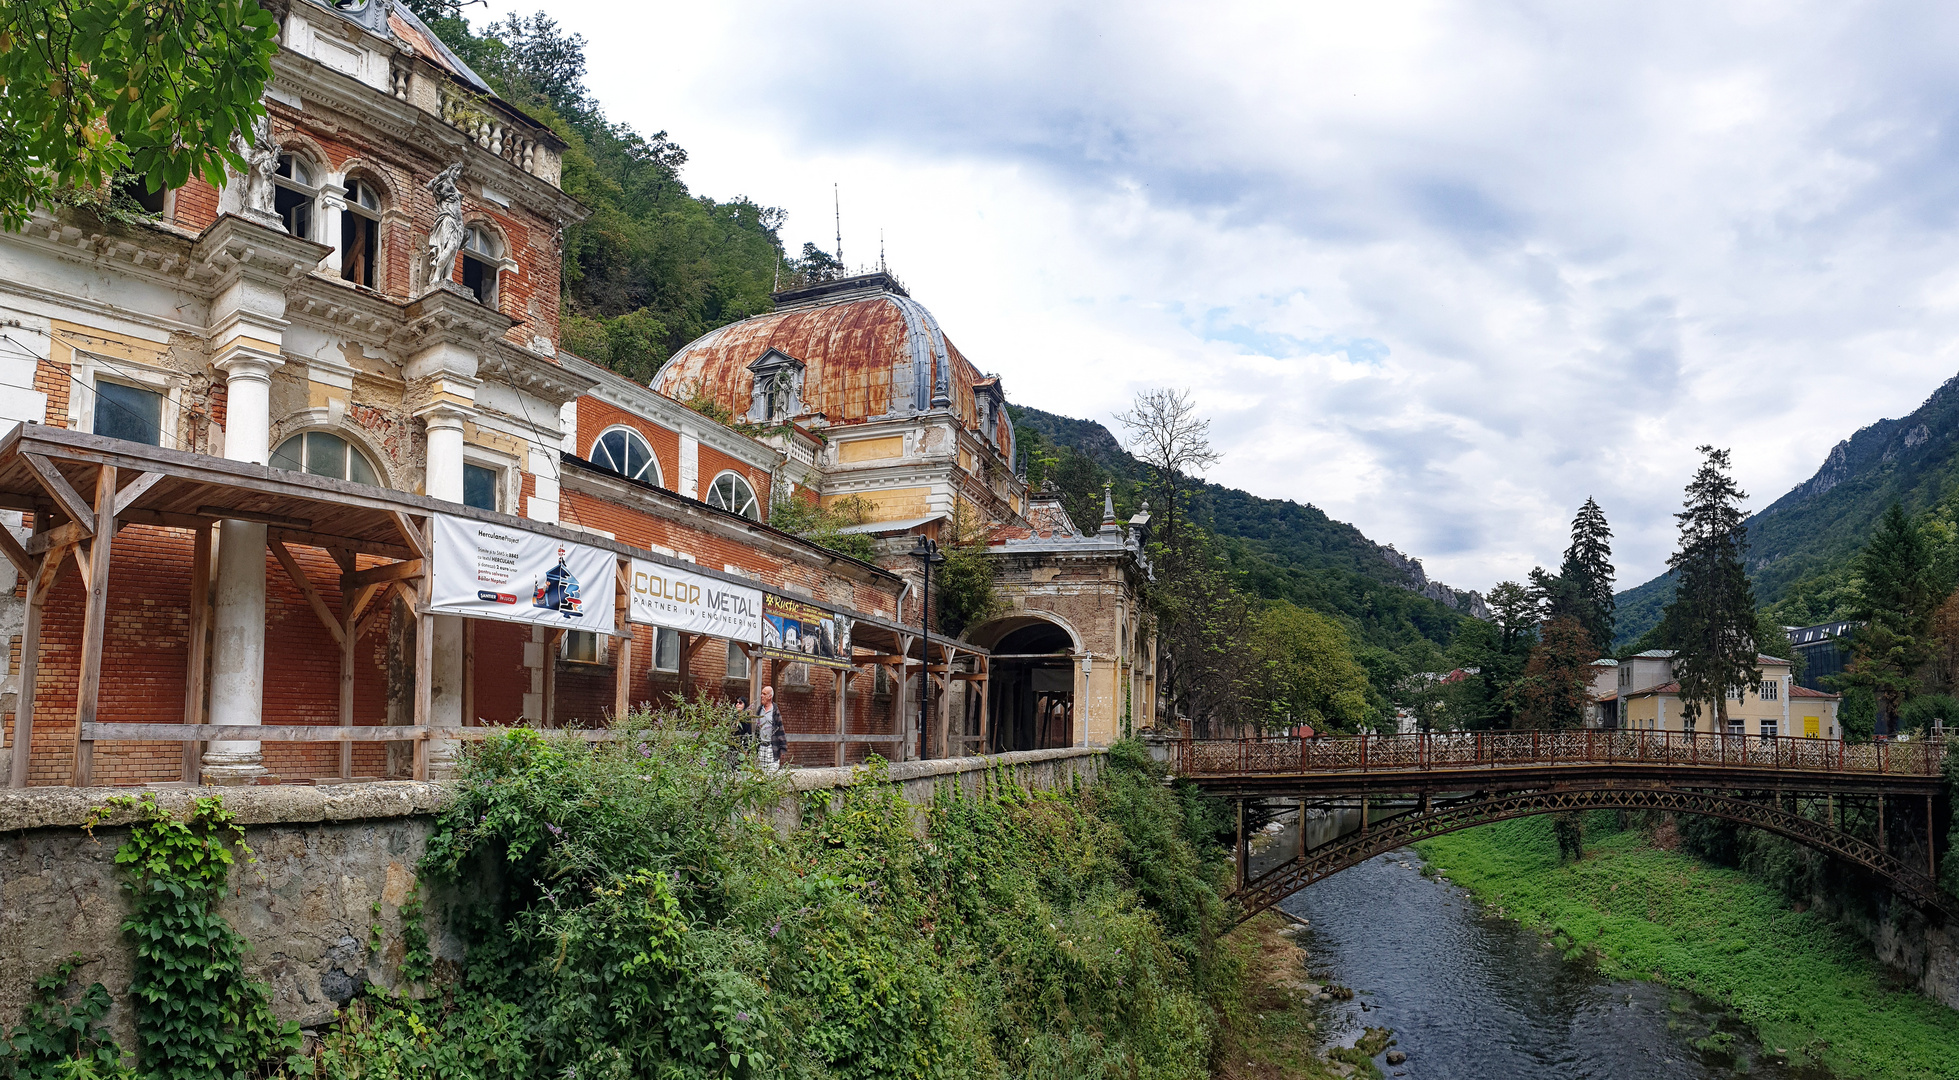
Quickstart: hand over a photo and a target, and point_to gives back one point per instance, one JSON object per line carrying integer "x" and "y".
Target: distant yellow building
{"x": 1648, "y": 699}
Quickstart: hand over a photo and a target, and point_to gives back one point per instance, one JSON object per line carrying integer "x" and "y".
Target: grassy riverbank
{"x": 1641, "y": 911}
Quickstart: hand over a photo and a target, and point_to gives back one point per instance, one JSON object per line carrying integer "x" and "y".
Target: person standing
{"x": 773, "y": 748}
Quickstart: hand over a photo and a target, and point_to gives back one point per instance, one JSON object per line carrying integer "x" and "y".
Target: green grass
{"x": 1802, "y": 982}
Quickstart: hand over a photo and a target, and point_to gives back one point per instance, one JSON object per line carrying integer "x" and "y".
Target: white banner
{"x": 683, "y": 600}
{"x": 490, "y": 571}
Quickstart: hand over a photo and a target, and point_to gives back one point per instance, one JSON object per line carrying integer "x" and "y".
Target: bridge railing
{"x": 1469, "y": 749}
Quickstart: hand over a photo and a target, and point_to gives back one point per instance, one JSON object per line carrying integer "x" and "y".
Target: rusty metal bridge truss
{"x": 1449, "y": 782}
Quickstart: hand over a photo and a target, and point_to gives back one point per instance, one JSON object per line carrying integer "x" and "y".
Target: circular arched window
{"x": 625, "y": 452}
{"x": 731, "y": 492}
{"x": 322, "y": 453}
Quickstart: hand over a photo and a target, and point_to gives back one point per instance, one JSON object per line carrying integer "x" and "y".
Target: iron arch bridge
{"x": 1447, "y": 782}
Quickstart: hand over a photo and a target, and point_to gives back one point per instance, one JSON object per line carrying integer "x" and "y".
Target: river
{"x": 1473, "y": 997}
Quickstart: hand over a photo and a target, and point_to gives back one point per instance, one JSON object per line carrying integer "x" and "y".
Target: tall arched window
{"x": 482, "y": 255}
{"x": 360, "y": 233}
{"x": 323, "y": 453}
{"x": 295, "y": 186}
{"x": 731, "y": 492}
{"x": 625, "y": 451}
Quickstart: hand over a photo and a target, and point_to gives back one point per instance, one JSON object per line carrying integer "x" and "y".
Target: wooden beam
{"x": 410, "y": 534}
{"x": 199, "y": 660}
{"x": 38, "y": 584}
{"x": 842, "y": 679}
{"x": 95, "y": 732}
{"x": 232, "y": 513}
{"x": 395, "y": 571}
{"x": 424, "y": 670}
{"x": 82, "y": 566}
{"x": 57, "y": 485}
{"x": 824, "y": 738}
{"x": 362, "y": 596}
{"x": 469, "y": 672}
{"x": 622, "y": 654}
{"x": 346, "y": 632}
{"x": 95, "y": 618}
{"x": 313, "y": 597}
{"x": 136, "y": 489}
{"x": 15, "y": 553}
{"x": 72, "y": 533}
{"x": 380, "y": 612}
{"x": 291, "y": 536}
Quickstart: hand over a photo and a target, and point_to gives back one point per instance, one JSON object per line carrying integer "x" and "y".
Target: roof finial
{"x": 880, "y": 252}
{"x": 836, "y": 193}
{"x": 1108, "y": 504}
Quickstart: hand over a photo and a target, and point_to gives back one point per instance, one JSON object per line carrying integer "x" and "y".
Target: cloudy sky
{"x": 1442, "y": 269}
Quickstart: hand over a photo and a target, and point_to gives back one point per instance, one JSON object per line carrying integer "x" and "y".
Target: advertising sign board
{"x": 683, "y": 600}
{"x": 489, "y": 571}
{"x": 794, "y": 630}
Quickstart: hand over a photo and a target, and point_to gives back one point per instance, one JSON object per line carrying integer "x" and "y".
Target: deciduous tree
{"x": 1308, "y": 671}
{"x": 1555, "y": 688}
{"x": 90, "y": 89}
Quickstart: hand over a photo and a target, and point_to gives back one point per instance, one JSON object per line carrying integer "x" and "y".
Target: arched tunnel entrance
{"x": 1030, "y": 684}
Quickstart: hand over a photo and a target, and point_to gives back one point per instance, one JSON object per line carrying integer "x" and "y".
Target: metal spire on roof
{"x": 836, "y": 193}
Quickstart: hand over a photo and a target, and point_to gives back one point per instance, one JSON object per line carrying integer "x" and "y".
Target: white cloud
{"x": 1443, "y": 269}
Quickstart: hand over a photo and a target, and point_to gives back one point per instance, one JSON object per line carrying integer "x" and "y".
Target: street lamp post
{"x": 927, "y": 553}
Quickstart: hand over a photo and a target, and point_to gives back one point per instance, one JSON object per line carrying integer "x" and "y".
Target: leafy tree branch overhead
{"x": 93, "y": 89}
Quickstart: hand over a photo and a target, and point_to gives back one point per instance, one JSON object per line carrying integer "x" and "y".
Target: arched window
{"x": 323, "y": 453}
{"x": 482, "y": 255}
{"x": 625, "y": 451}
{"x": 360, "y": 233}
{"x": 295, "y": 186}
{"x": 731, "y": 492}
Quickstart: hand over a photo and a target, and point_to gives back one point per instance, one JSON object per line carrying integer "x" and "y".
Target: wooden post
{"x": 95, "y": 618}
{"x": 424, "y": 661}
{"x": 469, "y": 673}
{"x": 945, "y": 705}
{"x": 199, "y": 663}
{"x": 985, "y": 705}
{"x": 622, "y": 657}
{"x": 843, "y": 709}
{"x": 754, "y": 675}
{"x": 901, "y": 715}
{"x": 349, "y": 636}
{"x": 38, "y": 587}
{"x": 551, "y": 639}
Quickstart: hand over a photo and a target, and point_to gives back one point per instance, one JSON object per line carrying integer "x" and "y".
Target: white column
{"x": 444, "y": 480}
{"x": 238, "y": 645}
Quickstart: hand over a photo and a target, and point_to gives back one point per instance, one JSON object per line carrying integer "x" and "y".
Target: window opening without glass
{"x": 322, "y": 453}
{"x": 138, "y": 189}
{"x": 128, "y": 412}
{"x": 294, "y": 187}
{"x": 480, "y": 256}
{"x": 625, "y": 452}
{"x": 583, "y": 647}
{"x": 732, "y": 493}
{"x": 737, "y": 662}
{"x": 479, "y": 487}
{"x": 666, "y": 649}
{"x": 360, "y": 233}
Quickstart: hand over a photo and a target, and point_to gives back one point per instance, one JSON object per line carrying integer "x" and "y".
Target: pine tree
{"x": 1898, "y": 593}
{"x": 1588, "y": 567}
{"x": 1710, "y": 624}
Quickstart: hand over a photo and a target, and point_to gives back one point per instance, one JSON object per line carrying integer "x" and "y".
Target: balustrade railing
{"x": 1496, "y": 749}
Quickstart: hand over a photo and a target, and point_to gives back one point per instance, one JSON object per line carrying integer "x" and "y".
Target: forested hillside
{"x": 1801, "y": 544}
{"x": 1280, "y": 549}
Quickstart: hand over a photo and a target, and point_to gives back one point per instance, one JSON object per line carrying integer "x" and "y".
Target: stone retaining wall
{"x": 333, "y": 863}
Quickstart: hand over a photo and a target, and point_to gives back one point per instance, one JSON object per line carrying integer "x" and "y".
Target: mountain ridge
{"x": 1818, "y": 524}
{"x": 1290, "y": 550}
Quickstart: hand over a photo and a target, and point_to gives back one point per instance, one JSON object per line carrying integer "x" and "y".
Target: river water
{"x": 1473, "y": 997}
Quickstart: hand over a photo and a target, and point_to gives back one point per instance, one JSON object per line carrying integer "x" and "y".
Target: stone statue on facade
{"x": 261, "y": 154}
{"x": 446, "y": 238}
